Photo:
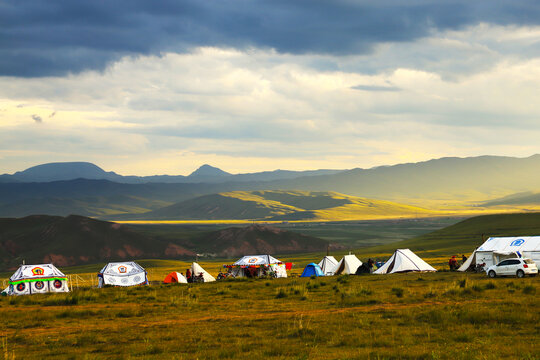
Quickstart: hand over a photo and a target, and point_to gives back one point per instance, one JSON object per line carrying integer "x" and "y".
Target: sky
{"x": 162, "y": 87}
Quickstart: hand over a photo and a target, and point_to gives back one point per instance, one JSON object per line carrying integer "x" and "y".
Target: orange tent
{"x": 175, "y": 277}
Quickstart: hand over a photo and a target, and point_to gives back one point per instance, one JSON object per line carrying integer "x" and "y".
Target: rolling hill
{"x": 257, "y": 239}
{"x": 468, "y": 234}
{"x": 76, "y": 240}
{"x": 283, "y": 205}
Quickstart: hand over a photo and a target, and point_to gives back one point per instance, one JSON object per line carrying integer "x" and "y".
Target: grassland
{"x": 405, "y": 316}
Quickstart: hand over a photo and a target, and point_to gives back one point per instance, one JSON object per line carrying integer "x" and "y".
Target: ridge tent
{"x": 404, "y": 260}
{"x": 312, "y": 269}
{"x": 37, "y": 279}
{"x": 348, "y": 265}
{"x": 197, "y": 270}
{"x": 496, "y": 249}
{"x": 175, "y": 277}
{"x": 328, "y": 265}
{"x": 257, "y": 266}
{"x": 127, "y": 273}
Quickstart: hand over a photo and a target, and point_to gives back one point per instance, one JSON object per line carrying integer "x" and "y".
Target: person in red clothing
{"x": 188, "y": 276}
{"x": 453, "y": 263}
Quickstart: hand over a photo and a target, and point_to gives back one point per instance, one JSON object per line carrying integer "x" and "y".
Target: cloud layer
{"x": 148, "y": 88}
{"x": 44, "y": 38}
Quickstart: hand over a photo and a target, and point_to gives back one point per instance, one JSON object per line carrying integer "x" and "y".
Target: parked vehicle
{"x": 515, "y": 266}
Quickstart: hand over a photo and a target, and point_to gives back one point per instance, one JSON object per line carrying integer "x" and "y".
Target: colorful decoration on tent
{"x": 43, "y": 276}
{"x": 37, "y": 271}
{"x": 122, "y": 274}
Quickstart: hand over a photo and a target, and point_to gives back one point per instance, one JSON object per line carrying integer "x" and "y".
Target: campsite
{"x": 407, "y": 315}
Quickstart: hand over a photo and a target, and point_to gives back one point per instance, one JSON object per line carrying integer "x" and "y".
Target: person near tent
{"x": 188, "y": 276}
{"x": 453, "y": 263}
{"x": 463, "y": 258}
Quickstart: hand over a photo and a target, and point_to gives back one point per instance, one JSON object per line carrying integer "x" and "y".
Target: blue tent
{"x": 312, "y": 269}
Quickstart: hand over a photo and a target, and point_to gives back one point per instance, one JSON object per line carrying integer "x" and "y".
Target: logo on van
{"x": 517, "y": 242}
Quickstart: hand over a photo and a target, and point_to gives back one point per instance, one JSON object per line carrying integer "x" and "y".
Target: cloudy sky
{"x": 161, "y": 87}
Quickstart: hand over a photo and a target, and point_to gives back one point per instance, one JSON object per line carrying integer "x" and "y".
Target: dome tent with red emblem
{"x": 127, "y": 273}
{"x": 37, "y": 279}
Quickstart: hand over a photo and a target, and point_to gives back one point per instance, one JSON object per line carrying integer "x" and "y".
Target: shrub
{"x": 490, "y": 285}
{"x": 529, "y": 289}
{"x": 398, "y": 292}
{"x": 281, "y": 294}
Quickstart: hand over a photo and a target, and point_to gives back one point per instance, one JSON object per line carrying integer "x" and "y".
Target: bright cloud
{"x": 453, "y": 93}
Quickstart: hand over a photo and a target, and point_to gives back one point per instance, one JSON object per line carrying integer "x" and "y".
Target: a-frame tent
{"x": 197, "y": 270}
{"x": 175, "y": 277}
{"x": 37, "y": 279}
{"x": 348, "y": 265}
{"x": 404, "y": 260}
{"x": 328, "y": 265}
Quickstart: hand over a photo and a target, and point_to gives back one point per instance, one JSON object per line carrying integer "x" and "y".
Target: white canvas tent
{"x": 348, "y": 265}
{"x": 328, "y": 265}
{"x": 496, "y": 249}
{"x": 37, "y": 279}
{"x": 197, "y": 270}
{"x": 127, "y": 273}
{"x": 404, "y": 260}
{"x": 258, "y": 265}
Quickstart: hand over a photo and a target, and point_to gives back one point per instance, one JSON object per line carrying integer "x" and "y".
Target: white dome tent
{"x": 127, "y": 273}
{"x": 404, "y": 260}
{"x": 37, "y": 279}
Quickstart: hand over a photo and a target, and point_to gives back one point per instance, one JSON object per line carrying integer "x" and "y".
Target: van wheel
{"x": 492, "y": 274}
{"x": 520, "y": 274}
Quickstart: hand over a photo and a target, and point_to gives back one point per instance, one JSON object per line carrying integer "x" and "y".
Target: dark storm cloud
{"x": 47, "y": 37}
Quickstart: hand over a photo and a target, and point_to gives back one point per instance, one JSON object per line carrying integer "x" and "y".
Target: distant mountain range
{"x": 436, "y": 184}
{"x": 76, "y": 240}
{"x": 62, "y": 171}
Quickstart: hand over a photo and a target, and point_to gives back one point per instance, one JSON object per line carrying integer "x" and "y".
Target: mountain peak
{"x": 207, "y": 170}
{"x": 62, "y": 171}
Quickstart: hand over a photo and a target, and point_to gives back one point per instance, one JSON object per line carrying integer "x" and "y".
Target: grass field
{"x": 444, "y": 315}
{"x": 405, "y": 316}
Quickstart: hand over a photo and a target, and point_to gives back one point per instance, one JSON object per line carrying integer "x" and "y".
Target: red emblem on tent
{"x": 37, "y": 271}
{"x": 57, "y": 284}
{"x": 253, "y": 260}
{"x": 122, "y": 269}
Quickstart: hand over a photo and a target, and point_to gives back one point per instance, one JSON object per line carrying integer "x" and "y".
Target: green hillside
{"x": 284, "y": 205}
{"x": 467, "y": 235}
